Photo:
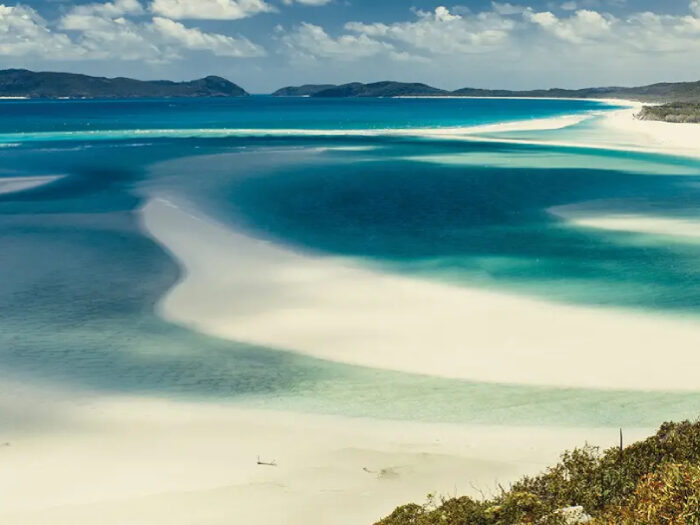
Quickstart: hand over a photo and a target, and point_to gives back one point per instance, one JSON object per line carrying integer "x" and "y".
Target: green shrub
{"x": 658, "y": 478}
{"x": 670, "y": 496}
{"x": 678, "y": 112}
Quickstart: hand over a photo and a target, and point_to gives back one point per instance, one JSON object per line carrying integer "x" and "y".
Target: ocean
{"x": 384, "y": 185}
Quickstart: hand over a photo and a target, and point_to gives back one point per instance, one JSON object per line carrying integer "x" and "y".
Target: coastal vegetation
{"x": 674, "y": 112}
{"x": 652, "y": 482}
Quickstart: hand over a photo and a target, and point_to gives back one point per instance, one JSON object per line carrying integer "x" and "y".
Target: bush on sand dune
{"x": 653, "y": 482}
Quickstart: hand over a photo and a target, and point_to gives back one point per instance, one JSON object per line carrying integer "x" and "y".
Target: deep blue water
{"x": 80, "y": 279}
{"x": 273, "y": 112}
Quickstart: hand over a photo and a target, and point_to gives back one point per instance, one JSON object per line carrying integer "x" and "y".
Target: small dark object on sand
{"x": 272, "y": 463}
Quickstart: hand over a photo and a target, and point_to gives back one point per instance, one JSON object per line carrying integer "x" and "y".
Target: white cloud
{"x": 24, "y": 32}
{"x": 312, "y": 41}
{"x": 308, "y": 2}
{"x": 442, "y": 14}
{"x": 109, "y": 9}
{"x": 209, "y": 9}
{"x": 506, "y": 8}
{"x": 158, "y": 40}
{"x": 545, "y": 45}
{"x": 104, "y": 38}
{"x": 582, "y": 26}
{"x": 441, "y": 32}
{"x": 195, "y": 39}
{"x": 561, "y": 47}
{"x": 101, "y": 32}
{"x": 695, "y": 7}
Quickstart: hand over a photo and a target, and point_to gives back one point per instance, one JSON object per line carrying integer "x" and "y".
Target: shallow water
{"x": 81, "y": 280}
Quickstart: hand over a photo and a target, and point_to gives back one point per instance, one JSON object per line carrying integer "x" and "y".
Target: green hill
{"x": 24, "y": 83}
{"x": 358, "y": 89}
{"x": 664, "y": 92}
{"x": 302, "y": 91}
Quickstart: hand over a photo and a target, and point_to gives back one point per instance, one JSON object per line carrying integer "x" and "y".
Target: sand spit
{"x": 245, "y": 289}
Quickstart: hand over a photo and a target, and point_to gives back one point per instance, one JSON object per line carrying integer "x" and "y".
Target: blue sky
{"x": 265, "y": 44}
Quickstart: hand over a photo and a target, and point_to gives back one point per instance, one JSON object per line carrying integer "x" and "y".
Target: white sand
{"x": 589, "y": 215}
{"x": 465, "y": 132}
{"x": 620, "y": 130}
{"x": 552, "y": 159}
{"x": 150, "y": 462}
{"x": 537, "y": 124}
{"x": 677, "y": 139}
{"x": 17, "y": 184}
{"x": 247, "y": 290}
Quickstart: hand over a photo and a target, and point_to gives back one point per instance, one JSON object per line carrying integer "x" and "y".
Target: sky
{"x": 263, "y": 45}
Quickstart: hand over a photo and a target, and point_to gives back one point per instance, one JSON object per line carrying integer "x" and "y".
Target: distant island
{"x": 29, "y": 84}
{"x": 664, "y": 92}
{"x": 357, "y": 89}
{"x": 302, "y": 91}
{"x": 22, "y": 83}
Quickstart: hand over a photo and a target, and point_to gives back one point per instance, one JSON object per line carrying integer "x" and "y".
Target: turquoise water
{"x": 80, "y": 279}
{"x": 272, "y": 113}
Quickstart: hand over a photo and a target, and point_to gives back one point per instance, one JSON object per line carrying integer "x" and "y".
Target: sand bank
{"x": 590, "y": 215}
{"x": 553, "y": 123}
{"x": 146, "y": 461}
{"x": 248, "y": 290}
{"x": 17, "y": 184}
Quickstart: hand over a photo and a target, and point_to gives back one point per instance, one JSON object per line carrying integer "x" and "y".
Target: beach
{"x": 142, "y": 460}
{"x": 78, "y": 454}
{"x": 670, "y": 138}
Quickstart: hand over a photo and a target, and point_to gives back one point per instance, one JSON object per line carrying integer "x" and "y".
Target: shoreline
{"x": 241, "y": 288}
{"x": 621, "y": 132}
{"x": 365, "y": 467}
